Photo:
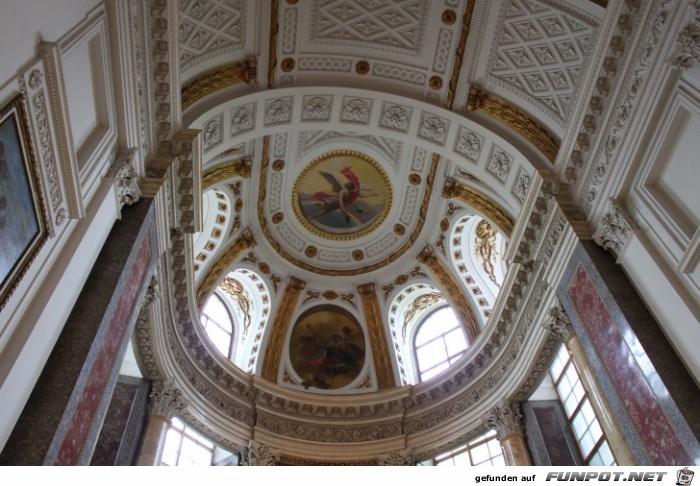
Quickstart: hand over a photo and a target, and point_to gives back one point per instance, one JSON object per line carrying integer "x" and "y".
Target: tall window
{"x": 589, "y": 435}
{"x": 482, "y": 451}
{"x": 185, "y": 447}
{"x": 439, "y": 342}
{"x": 216, "y": 321}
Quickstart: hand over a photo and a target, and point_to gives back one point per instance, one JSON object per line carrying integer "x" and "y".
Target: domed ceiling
{"x": 346, "y": 145}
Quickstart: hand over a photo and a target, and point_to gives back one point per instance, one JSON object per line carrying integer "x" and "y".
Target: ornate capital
{"x": 259, "y": 455}
{"x": 615, "y": 228}
{"x": 367, "y": 290}
{"x": 426, "y": 254}
{"x": 165, "y": 399}
{"x": 397, "y": 458}
{"x": 558, "y": 323}
{"x": 124, "y": 173}
{"x": 505, "y": 418}
{"x": 689, "y": 40}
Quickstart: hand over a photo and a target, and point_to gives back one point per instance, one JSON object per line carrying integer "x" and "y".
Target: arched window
{"x": 185, "y": 447}
{"x": 482, "y": 451}
{"x": 590, "y": 437}
{"x": 439, "y": 341}
{"x": 216, "y": 321}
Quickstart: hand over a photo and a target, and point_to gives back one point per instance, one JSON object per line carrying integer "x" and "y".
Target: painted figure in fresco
{"x": 342, "y": 197}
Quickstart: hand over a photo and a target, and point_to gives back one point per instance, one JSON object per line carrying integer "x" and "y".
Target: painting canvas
{"x": 342, "y": 194}
{"x": 22, "y": 227}
{"x": 327, "y": 347}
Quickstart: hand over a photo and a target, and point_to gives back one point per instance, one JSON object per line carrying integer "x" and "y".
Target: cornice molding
{"x": 500, "y": 110}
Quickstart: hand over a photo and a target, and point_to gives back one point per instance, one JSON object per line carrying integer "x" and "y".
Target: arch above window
{"x": 476, "y": 250}
{"x": 244, "y": 297}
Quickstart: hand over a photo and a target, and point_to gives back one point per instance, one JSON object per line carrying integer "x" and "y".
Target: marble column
{"x": 506, "y": 419}
{"x": 164, "y": 400}
{"x": 560, "y": 325}
{"x": 652, "y": 396}
{"x": 62, "y": 419}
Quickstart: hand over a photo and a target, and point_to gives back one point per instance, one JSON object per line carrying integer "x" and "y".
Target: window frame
{"x": 450, "y": 358}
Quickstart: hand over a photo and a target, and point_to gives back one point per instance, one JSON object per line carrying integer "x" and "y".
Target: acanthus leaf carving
{"x": 615, "y": 228}
{"x": 124, "y": 173}
{"x": 165, "y": 399}
{"x": 259, "y": 455}
{"x": 505, "y": 418}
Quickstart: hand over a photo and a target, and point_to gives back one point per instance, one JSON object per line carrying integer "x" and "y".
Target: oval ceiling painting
{"x": 327, "y": 347}
{"x": 342, "y": 195}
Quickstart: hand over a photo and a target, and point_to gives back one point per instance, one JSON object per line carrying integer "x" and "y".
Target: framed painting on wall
{"x": 23, "y": 224}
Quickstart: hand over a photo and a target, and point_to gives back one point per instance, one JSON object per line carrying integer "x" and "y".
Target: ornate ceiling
{"x": 343, "y": 142}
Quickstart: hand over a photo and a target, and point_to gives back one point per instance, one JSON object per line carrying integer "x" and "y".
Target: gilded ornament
{"x": 399, "y": 229}
{"x": 362, "y": 67}
{"x": 238, "y": 205}
{"x": 358, "y": 255}
{"x": 449, "y": 17}
{"x": 497, "y": 108}
{"x": 278, "y": 165}
{"x": 278, "y": 217}
{"x": 311, "y": 251}
{"x": 206, "y": 84}
{"x": 240, "y": 296}
{"x": 435, "y": 82}
{"x": 485, "y": 248}
{"x": 287, "y": 64}
{"x": 330, "y": 295}
{"x": 414, "y": 179}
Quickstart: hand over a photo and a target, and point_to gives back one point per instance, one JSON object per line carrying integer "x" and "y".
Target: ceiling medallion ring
{"x": 360, "y": 200}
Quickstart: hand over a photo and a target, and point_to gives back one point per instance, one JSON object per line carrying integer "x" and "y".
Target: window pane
{"x": 455, "y": 341}
{"x": 434, "y": 371}
{"x": 480, "y": 453}
{"x": 431, "y": 354}
{"x": 440, "y": 340}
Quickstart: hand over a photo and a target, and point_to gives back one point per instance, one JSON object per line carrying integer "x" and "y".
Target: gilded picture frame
{"x": 23, "y": 218}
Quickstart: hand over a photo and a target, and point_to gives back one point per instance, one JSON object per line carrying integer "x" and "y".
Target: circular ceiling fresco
{"x": 327, "y": 347}
{"x": 342, "y": 195}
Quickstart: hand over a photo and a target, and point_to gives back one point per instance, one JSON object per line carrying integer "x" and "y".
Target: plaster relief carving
{"x": 395, "y": 117}
{"x": 356, "y": 110}
{"x": 615, "y": 228}
{"x": 242, "y": 119}
{"x": 124, "y": 173}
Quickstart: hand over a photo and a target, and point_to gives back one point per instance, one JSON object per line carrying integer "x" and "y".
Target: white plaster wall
{"x": 27, "y": 22}
{"x": 677, "y": 312}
